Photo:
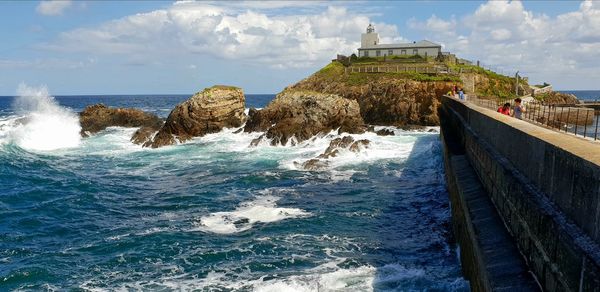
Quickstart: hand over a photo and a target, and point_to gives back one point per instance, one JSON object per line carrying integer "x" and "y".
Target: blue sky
{"x": 137, "y": 47}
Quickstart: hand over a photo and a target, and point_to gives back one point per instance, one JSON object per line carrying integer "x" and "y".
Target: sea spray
{"x": 45, "y": 124}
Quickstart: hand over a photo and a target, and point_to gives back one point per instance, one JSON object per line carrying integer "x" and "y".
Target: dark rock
{"x": 413, "y": 128}
{"x": 205, "y": 112}
{"x": 98, "y": 117}
{"x": 356, "y": 146}
{"x": 313, "y": 164}
{"x": 143, "y": 135}
{"x": 304, "y": 114}
{"x": 385, "y": 132}
{"x": 335, "y": 145}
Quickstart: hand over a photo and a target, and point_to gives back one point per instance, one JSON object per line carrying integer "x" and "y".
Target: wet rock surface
{"x": 297, "y": 115}
{"x": 335, "y": 147}
{"x": 208, "y": 111}
{"x": 95, "y": 118}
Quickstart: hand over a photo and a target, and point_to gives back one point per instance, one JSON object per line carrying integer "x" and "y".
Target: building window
{"x": 378, "y": 53}
{"x": 415, "y": 52}
{"x": 403, "y": 52}
{"x": 390, "y": 52}
{"x": 366, "y": 53}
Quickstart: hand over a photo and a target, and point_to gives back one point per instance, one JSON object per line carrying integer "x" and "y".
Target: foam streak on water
{"x": 215, "y": 214}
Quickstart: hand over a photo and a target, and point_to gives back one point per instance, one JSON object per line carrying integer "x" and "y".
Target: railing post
{"x": 576, "y": 121}
{"x": 597, "y": 120}
{"x": 543, "y": 114}
{"x": 587, "y": 113}
{"x": 567, "y": 122}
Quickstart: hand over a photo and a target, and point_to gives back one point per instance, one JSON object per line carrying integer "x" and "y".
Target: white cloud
{"x": 251, "y": 36}
{"x": 53, "y": 7}
{"x": 506, "y": 35}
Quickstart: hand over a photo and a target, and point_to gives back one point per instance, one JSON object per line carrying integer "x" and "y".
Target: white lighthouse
{"x": 369, "y": 39}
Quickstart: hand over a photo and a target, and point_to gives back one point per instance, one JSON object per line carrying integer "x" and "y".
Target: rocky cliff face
{"x": 302, "y": 114}
{"x": 383, "y": 98}
{"x": 557, "y": 98}
{"x": 205, "y": 112}
{"x": 95, "y": 118}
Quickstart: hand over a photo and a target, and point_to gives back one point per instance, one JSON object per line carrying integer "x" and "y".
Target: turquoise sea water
{"x": 214, "y": 214}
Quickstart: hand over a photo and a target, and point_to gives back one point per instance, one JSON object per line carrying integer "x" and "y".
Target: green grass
{"x": 332, "y": 70}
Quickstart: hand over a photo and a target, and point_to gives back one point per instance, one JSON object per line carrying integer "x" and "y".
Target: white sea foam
{"x": 262, "y": 209}
{"x": 327, "y": 277}
{"x": 42, "y": 124}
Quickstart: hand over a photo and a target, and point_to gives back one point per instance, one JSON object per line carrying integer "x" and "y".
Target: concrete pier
{"x": 543, "y": 185}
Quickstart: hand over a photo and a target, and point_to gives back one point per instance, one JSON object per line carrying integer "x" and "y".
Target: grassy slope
{"x": 334, "y": 71}
{"x": 499, "y": 86}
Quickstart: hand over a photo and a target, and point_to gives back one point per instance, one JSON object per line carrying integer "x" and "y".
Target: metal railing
{"x": 403, "y": 69}
{"x": 575, "y": 119}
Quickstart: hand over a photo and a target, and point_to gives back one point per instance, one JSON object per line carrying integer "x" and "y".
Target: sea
{"x": 584, "y": 94}
{"x": 214, "y": 214}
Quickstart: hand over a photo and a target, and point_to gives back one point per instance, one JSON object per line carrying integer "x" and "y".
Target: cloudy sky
{"x": 103, "y": 47}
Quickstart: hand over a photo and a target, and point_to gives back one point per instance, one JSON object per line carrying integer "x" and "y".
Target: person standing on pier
{"x": 505, "y": 109}
{"x": 519, "y": 109}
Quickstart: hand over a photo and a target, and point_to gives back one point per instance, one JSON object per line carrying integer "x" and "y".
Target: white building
{"x": 370, "y": 47}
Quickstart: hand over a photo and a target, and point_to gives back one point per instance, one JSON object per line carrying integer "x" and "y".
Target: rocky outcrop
{"x": 208, "y": 111}
{"x": 98, "y": 117}
{"x": 302, "y": 114}
{"x": 384, "y": 99}
{"x": 335, "y": 146}
{"x": 384, "y": 132}
{"x": 554, "y": 97}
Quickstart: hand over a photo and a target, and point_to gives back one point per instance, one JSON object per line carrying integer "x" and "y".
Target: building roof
{"x": 419, "y": 44}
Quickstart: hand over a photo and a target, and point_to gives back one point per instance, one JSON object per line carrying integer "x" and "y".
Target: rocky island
{"x": 349, "y": 95}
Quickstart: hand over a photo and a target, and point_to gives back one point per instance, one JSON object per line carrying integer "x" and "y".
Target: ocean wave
{"x": 40, "y": 124}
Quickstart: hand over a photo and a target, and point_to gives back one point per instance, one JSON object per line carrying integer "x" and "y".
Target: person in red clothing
{"x": 505, "y": 109}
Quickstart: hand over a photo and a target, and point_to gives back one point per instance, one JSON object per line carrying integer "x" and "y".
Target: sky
{"x": 160, "y": 47}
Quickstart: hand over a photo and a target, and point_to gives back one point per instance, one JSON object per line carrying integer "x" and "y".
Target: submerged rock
{"x": 95, "y": 118}
{"x": 208, "y": 111}
{"x": 303, "y": 114}
{"x": 313, "y": 164}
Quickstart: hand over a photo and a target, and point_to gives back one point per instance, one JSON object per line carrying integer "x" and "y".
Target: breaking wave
{"x": 40, "y": 123}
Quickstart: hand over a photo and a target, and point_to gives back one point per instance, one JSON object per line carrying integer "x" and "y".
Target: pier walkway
{"x": 544, "y": 185}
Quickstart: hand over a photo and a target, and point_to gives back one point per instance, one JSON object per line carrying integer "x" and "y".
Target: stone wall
{"x": 545, "y": 186}
{"x": 488, "y": 255}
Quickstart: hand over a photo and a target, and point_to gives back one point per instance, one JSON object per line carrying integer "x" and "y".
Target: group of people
{"x": 456, "y": 91}
{"x": 517, "y": 110}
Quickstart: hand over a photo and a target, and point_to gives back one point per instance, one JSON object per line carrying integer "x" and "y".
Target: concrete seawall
{"x": 544, "y": 187}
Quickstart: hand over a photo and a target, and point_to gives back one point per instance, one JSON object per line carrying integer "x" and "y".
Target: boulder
{"x": 95, "y": 118}
{"x": 208, "y": 111}
{"x": 302, "y": 114}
